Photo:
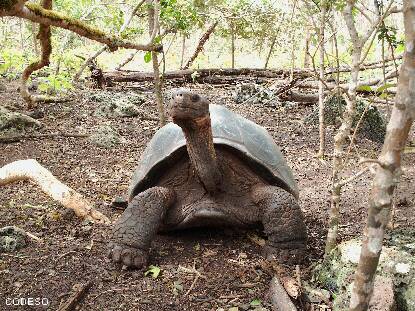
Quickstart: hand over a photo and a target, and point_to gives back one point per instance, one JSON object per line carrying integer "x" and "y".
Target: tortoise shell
{"x": 249, "y": 140}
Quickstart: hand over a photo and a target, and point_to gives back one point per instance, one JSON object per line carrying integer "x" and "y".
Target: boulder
{"x": 16, "y": 121}
{"x": 106, "y": 137}
{"x": 116, "y": 105}
{"x": 394, "y": 283}
{"x": 373, "y": 125}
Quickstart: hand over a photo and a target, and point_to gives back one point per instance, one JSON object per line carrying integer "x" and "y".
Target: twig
{"x": 17, "y": 138}
{"x": 79, "y": 291}
{"x": 353, "y": 177}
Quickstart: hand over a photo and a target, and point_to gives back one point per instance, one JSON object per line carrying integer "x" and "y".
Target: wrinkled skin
{"x": 208, "y": 186}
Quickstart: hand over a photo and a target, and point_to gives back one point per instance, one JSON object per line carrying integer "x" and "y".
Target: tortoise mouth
{"x": 186, "y": 111}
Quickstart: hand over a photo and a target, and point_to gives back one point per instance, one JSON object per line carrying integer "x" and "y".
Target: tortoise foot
{"x": 127, "y": 255}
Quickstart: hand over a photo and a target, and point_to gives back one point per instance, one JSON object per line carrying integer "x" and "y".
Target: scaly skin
{"x": 283, "y": 223}
{"x": 135, "y": 229}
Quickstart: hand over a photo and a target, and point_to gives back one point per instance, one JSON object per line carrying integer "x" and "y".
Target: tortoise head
{"x": 187, "y": 105}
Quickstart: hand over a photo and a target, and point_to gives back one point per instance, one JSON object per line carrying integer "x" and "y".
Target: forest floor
{"x": 233, "y": 271}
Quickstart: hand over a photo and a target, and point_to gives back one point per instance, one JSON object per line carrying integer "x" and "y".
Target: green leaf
{"x": 384, "y": 87}
{"x": 256, "y": 302}
{"x": 400, "y": 48}
{"x": 233, "y": 309}
{"x": 154, "y": 271}
{"x": 366, "y": 88}
{"x": 383, "y": 95}
{"x": 147, "y": 57}
{"x": 157, "y": 40}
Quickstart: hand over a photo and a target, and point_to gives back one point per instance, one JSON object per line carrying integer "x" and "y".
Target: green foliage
{"x": 54, "y": 84}
{"x": 388, "y": 33}
{"x": 12, "y": 64}
{"x": 154, "y": 271}
{"x": 256, "y": 302}
{"x": 147, "y": 57}
{"x": 178, "y": 14}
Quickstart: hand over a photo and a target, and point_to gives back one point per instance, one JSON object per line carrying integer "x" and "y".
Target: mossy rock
{"x": 373, "y": 125}
{"x": 12, "y": 239}
{"x": 115, "y": 105}
{"x": 337, "y": 272}
{"x": 106, "y": 137}
{"x": 251, "y": 93}
{"x": 16, "y": 121}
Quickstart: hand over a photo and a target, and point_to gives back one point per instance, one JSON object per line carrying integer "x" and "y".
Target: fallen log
{"x": 198, "y": 74}
{"x": 279, "y": 298}
{"x": 31, "y": 170}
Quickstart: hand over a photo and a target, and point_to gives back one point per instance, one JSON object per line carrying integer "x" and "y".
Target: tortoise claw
{"x": 127, "y": 255}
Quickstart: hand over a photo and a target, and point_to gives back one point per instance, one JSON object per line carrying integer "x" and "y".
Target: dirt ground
{"x": 233, "y": 271}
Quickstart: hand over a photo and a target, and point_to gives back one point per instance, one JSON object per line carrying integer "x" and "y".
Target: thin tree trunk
{"x": 232, "y": 46}
{"x": 388, "y": 172}
{"x": 183, "y": 50}
{"x": 35, "y": 43}
{"x": 271, "y": 48}
{"x": 340, "y": 138}
{"x": 292, "y": 41}
{"x": 322, "y": 126}
{"x": 343, "y": 132}
{"x": 153, "y": 28}
{"x": 200, "y": 45}
{"x": 307, "y": 60}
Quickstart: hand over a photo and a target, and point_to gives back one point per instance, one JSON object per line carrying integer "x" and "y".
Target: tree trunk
{"x": 322, "y": 126}
{"x": 271, "y": 48}
{"x": 200, "y": 45}
{"x": 33, "y": 171}
{"x": 46, "y": 45}
{"x": 344, "y": 131}
{"x": 232, "y": 46}
{"x": 307, "y": 61}
{"x": 183, "y": 50}
{"x": 153, "y": 28}
{"x": 388, "y": 171}
{"x": 292, "y": 40}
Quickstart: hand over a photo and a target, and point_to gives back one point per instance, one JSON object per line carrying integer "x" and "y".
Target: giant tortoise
{"x": 210, "y": 167}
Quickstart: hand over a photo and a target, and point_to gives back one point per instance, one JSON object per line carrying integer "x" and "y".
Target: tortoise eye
{"x": 195, "y": 98}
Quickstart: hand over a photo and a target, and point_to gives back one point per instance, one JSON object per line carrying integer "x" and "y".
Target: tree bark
{"x": 343, "y": 133}
{"x": 69, "y": 198}
{"x": 200, "y": 45}
{"x": 37, "y": 14}
{"x": 388, "y": 171}
{"x": 232, "y": 46}
{"x": 46, "y": 46}
{"x": 307, "y": 61}
{"x": 271, "y": 48}
{"x": 183, "y": 50}
{"x": 322, "y": 126}
{"x": 153, "y": 28}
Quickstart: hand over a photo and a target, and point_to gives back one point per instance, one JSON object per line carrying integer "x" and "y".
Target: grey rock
{"x": 12, "y": 239}
{"x": 106, "y": 137}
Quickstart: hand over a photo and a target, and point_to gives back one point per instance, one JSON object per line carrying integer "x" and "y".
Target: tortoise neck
{"x": 199, "y": 139}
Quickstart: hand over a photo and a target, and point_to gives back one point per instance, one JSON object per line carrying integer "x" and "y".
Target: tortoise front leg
{"x": 134, "y": 230}
{"x": 283, "y": 223}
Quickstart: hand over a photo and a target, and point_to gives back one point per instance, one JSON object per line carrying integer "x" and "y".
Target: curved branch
{"x": 46, "y": 46}
{"x": 31, "y": 170}
{"x": 200, "y": 45}
{"x": 40, "y": 15}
